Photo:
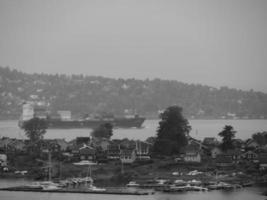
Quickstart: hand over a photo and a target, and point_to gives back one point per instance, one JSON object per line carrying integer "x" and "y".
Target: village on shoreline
{"x": 114, "y": 162}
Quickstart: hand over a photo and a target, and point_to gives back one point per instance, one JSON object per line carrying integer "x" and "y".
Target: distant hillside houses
{"x": 91, "y": 94}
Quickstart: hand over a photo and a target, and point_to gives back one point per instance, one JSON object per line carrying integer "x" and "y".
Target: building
{"x": 192, "y": 154}
{"x": 62, "y": 143}
{"x": 210, "y": 141}
{"x": 224, "y": 160}
{"x": 251, "y": 144}
{"x": 3, "y": 160}
{"x": 82, "y": 141}
{"x": 263, "y": 161}
{"x": 250, "y": 156}
{"x": 142, "y": 150}
{"x": 113, "y": 152}
{"x": 235, "y": 155}
{"x": 215, "y": 151}
{"x": 128, "y": 156}
{"x": 87, "y": 153}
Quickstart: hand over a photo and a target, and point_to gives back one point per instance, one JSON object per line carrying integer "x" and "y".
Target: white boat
{"x": 96, "y": 189}
{"x": 48, "y": 185}
{"x": 198, "y": 188}
{"x": 133, "y": 184}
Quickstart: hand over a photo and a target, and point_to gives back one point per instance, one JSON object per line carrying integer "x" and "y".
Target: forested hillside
{"x": 91, "y": 94}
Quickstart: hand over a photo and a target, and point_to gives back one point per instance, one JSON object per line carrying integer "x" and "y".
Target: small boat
{"x": 133, "y": 184}
{"x": 48, "y": 185}
{"x": 198, "y": 188}
{"x": 35, "y": 185}
{"x": 96, "y": 189}
{"x": 194, "y": 182}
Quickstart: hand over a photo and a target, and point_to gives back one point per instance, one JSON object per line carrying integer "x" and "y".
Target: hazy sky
{"x": 217, "y": 43}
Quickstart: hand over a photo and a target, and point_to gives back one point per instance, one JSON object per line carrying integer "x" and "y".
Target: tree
{"x": 172, "y": 132}
{"x": 260, "y": 138}
{"x": 35, "y": 129}
{"x": 227, "y": 134}
{"x": 103, "y": 131}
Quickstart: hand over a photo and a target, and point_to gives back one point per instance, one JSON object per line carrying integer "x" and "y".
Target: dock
{"x": 110, "y": 191}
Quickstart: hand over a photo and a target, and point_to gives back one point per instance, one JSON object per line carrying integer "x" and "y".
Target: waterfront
{"x": 244, "y": 194}
{"x": 200, "y": 129}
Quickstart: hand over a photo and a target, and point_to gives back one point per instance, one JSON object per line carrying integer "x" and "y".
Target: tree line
{"x": 92, "y": 94}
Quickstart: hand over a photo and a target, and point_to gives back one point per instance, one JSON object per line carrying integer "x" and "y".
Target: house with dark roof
{"x": 210, "y": 141}
{"x": 87, "y": 153}
{"x": 82, "y": 140}
{"x": 224, "y": 160}
{"x": 192, "y": 154}
{"x": 235, "y": 155}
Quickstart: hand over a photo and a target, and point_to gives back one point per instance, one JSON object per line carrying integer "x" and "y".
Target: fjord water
{"x": 241, "y": 194}
{"x": 200, "y": 129}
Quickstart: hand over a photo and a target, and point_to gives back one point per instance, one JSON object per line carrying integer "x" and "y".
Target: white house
{"x": 3, "y": 160}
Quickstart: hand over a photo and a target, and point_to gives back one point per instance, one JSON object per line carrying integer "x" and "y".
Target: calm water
{"x": 242, "y": 194}
{"x": 200, "y": 129}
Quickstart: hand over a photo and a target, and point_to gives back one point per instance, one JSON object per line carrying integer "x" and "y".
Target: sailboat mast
{"x": 49, "y": 166}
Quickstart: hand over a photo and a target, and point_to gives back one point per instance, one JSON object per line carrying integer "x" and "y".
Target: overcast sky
{"x": 216, "y": 43}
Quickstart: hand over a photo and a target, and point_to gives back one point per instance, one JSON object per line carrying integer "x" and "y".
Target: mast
{"x": 49, "y": 166}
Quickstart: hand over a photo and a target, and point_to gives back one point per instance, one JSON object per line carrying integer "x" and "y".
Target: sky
{"x": 210, "y": 42}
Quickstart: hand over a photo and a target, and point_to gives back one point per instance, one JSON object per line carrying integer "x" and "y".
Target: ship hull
{"x": 80, "y": 124}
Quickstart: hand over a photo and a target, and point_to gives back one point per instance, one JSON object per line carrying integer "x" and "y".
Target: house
{"x": 224, "y": 160}
{"x": 128, "y": 156}
{"x": 5, "y": 143}
{"x": 19, "y": 145}
{"x": 3, "y": 160}
{"x": 87, "y": 153}
{"x": 238, "y": 143}
{"x": 250, "y": 156}
{"x": 215, "y": 151}
{"x": 210, "y": 141}
{"x": 192, "y": 154}
{"x": 142, "y": 150}
{"x": 113, "y": 152}
{"x": 263, "y": 161}
{"x": 62, "y": 143}
{"x": 82, "y": 140}
{"x": 101, "y": 157}
{"x": 235, "y": 155}
{"x": 251, "y": 144}
{"x": 127, "y": 144}
{"x": 12, "y": 144}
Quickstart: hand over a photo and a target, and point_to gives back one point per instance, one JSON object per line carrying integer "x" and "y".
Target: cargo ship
{"x": 63, "y": 120}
